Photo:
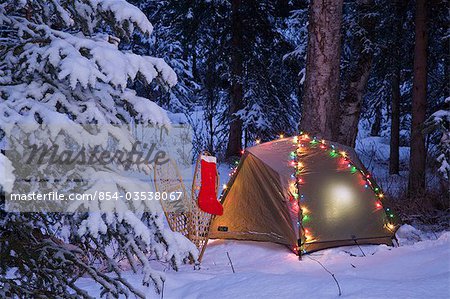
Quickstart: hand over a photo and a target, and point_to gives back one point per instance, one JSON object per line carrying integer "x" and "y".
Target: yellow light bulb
{"x": 257, "y": 141}
{"x": 281, "y": 135}
{"x": 391, "y": 226}
{"x": 224, "y": 186}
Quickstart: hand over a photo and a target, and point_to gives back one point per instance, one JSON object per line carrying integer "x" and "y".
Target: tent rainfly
{"x": 306, "y": 193}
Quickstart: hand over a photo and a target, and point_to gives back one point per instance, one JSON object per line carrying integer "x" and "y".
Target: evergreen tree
{"x": 440, "y": 121}
{"x": 62, "y": 66}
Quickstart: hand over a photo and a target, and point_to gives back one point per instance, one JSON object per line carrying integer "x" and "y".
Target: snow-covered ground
{"x": 419, "y": 268}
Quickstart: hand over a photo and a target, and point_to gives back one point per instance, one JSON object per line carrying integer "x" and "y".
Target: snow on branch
{"x": 62, "y": 67}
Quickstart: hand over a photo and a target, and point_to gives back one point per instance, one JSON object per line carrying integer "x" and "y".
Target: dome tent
{"x": 305, "y": 193}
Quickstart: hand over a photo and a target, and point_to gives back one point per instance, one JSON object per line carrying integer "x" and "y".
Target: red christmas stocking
{"x": 207, "y": 197}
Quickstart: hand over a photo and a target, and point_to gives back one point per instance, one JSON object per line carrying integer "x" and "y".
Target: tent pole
{"x": 300, "y": 225}
{"x": 300, "y": 211}
{"x": 300, "y": 231}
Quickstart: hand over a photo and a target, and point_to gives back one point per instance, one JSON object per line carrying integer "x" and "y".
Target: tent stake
{"x": 354, "y": 239}
{"x": 299, "y": 249}
{"x": 231, "y": 263}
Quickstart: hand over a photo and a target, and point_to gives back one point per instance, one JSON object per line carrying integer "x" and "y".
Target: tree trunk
{"x": 394, "y": 155}
{"x": 394, "y": 149}
{"x": 195, "y": 75}
{"x": 376, "y": 126}
{"x": 419, "y": 101}
{"x": 210, "y": 116}
{"x": 352, "y": 100}
{"x": 350, "y": 107}
{"x": 321, "y": 98}
{"x": 235, "y": 138}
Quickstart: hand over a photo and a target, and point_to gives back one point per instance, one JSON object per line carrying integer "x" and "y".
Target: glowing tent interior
{"x": 306, "y": 193}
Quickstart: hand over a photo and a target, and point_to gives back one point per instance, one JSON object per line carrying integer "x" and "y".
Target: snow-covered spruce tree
{"x": 440, "y": 121}
{"x": 61, "y": 66}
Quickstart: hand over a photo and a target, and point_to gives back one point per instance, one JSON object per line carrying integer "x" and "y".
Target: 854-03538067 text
{"x": 97, "y": 195}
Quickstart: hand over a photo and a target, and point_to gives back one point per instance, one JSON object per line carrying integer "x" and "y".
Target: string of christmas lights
{"x": 296, "y": 196}
{"x": 231, "y": 174}
{"x": 295, "y": 188}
